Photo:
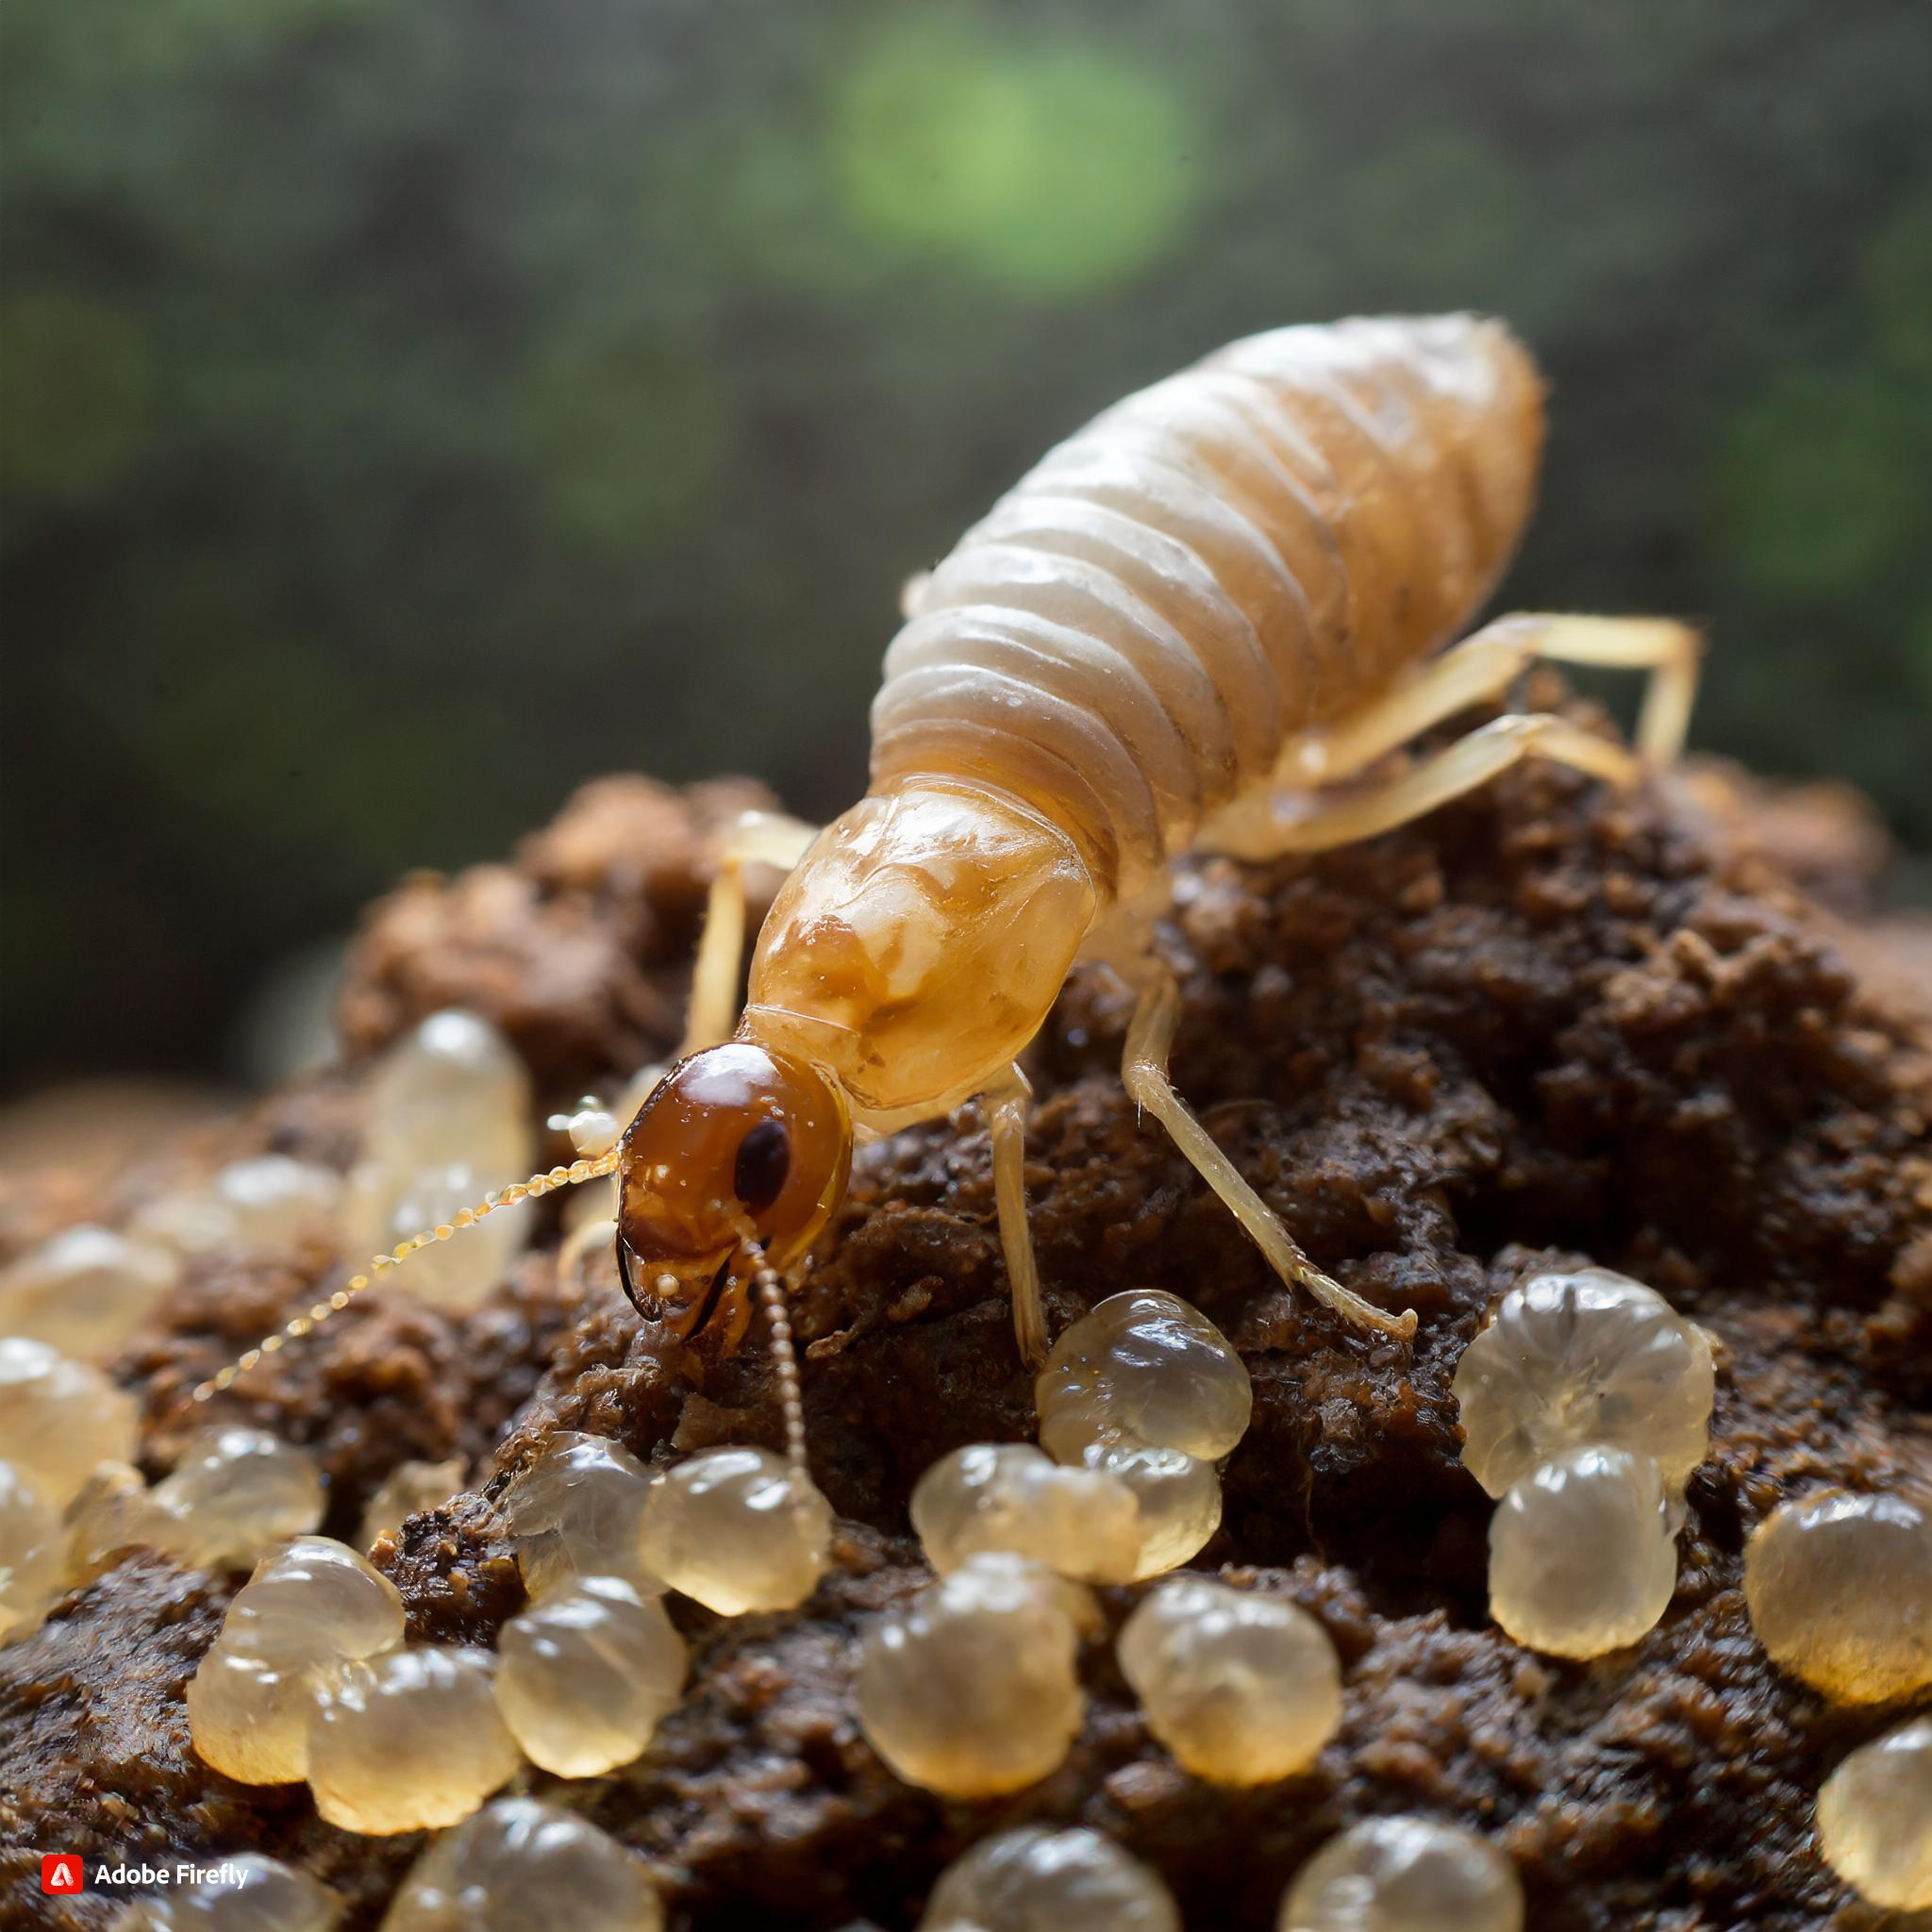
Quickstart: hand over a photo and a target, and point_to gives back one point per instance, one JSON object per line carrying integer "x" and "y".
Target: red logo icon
{"x": 60, "y": 1872}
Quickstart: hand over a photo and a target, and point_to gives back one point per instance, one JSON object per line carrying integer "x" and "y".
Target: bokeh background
{"x": 406, "y": 411}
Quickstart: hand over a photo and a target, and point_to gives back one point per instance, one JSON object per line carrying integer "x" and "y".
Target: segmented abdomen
{"x": 1237, "y": 555}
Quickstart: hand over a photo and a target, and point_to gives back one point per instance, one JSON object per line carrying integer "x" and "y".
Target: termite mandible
{"x": 1198, "y": 624}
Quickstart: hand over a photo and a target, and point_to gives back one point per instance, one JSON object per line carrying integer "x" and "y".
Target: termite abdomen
{"x": 1241, "y": 554}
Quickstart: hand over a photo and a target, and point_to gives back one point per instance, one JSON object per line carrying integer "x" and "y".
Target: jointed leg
{"x": 1287, "y": 822}
{"x": 758, "y": 837}
{"x": 1484, "y": 666}
{"x": 1005, "y": 1108}
{"x": 1671, "y": 653}
{"x": 1143, "y": 1071}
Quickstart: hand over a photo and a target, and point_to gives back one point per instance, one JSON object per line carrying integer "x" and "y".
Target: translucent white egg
{"x": 522, "y": 1866}
{"x": 1036, "y": 1881}
{"x": 1585, "y": 1359}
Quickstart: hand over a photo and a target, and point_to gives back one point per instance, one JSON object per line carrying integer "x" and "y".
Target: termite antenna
{"x": 777, "y": 1308}
{"x": 299, "y": 1325}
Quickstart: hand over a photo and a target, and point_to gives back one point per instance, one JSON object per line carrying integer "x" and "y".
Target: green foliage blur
{"x": 409, "y": 410}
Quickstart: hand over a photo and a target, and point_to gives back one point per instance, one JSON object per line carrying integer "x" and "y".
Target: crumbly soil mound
{"x": 1547, "y": 1025}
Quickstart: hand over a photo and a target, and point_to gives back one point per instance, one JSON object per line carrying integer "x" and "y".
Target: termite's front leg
{"x": 1144, "y": 1072}
{"x": 1006, "y": 1110}
{"x": 758, "y": 837}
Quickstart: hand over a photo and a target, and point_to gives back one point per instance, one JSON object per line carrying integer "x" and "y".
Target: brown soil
{"x": 1546, "y": 1025}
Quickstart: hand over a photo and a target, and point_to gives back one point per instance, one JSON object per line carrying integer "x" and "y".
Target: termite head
{"x": 737, "y": 1147}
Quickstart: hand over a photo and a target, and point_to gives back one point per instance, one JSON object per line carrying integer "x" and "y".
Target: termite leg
{"x": 1144, "y": 1072}
{"x": 758, "y": 837}
{"x": 1280, "y": 823}
{"x": 1006, "y": 1109}
{"x": 1485, "y": 666}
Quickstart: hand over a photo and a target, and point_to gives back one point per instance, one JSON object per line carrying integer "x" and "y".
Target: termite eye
{"x": 764, "y": 1159}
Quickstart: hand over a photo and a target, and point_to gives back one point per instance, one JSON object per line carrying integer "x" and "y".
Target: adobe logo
{"x": 60, "y": 1872}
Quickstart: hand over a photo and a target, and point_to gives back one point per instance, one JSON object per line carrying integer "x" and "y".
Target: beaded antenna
{"x": 770, "y": 1290}
{"x": 383, "y": 1264}
{"x": 296, "y": 1326}
{"x": 767, "y": 1283}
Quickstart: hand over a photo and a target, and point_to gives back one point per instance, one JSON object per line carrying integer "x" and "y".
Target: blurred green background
{"x": 409, "y": 411}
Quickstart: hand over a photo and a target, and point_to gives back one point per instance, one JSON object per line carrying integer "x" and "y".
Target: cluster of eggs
{"x": 312, "y": 1678}
{"x": 59, "y": 1419}
{"x": 449, "y": 1111}
{"x": 1584, "y": 1405}
{"x": 1384, "y": 1874}
{"x": 72, "y": 1502}
{"x": 737, "y": 1529}
{"x": 971, "y": 1688}
{"x": 69, "y": 1493}
{"x": 1839, "y": 1588}
{"x": 518, "y": 1861}
{"x": 1138, "y": 1401}
{"x": 71, "y": 1498}
{"x": 514, "y": 1864}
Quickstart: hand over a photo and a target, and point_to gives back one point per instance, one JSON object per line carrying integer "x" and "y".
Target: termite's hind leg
{"x": 1005, "y": 1108}
{"x": 1671, "y": 653}
{"x": 1485, "y": 666}
{"x": 758, "y": 837}
{"x": 1280, "y": 823}
{"x": 1144, "y": 1072}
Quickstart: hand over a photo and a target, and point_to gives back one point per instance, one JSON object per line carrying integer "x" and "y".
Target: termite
{"x": 1201, "y": 624}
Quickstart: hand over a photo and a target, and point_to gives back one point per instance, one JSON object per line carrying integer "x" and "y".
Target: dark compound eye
{"x": 764, "y": 1159}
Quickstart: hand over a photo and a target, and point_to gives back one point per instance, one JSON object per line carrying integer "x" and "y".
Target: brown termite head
{"x": 739, "y": 1148}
